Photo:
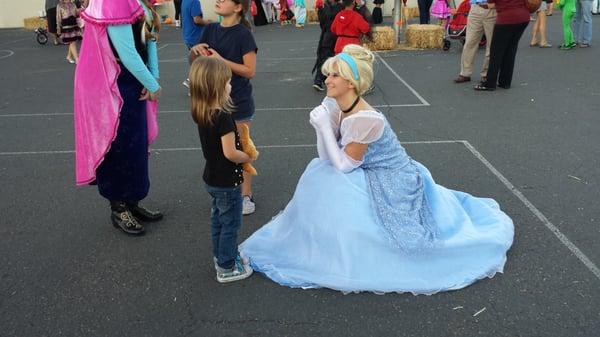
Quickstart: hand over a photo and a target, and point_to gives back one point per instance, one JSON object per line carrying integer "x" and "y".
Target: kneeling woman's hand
{"x": 319, "y": 117}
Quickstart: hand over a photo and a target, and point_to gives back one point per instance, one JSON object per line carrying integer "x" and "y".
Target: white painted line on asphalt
{"x": 286, "y": 58}
{"x": 178, "y": 60}
{"x": 9, "y": 42}
{"x": 425, "y": 103}
{"x": 162, "y": 46}
{"x": 563, "y": 238}
{"x": 6, "y": 53}
{"x": 186, "y": 111}
{"x": 175, "y": 149}
{"x": 39, "y": 115}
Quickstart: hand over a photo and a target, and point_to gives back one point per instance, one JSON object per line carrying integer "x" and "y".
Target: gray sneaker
{"x": 238, "y": 272}
{"x": 244, "y": 260}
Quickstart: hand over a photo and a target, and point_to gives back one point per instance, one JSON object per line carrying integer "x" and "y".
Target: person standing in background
{"x": 327, "y": 40}
{"x": 348, "y": 25}
{"x": 67, "y": 27}
{"x": 481, "y": 20}
{"x": 51, "y": 19}
{"x": 540, "y": 27}
{"x": 511, "y": 21}
{"x": 568, "y": 12}
{"x": 583, "y": 23}
{"x": 377, "y": 12}
{"x": 550, "y": 10}
{"x": 192, "y": 25}
{"x": 177, "y": 4}
{"x": 424, "y": 8}
{"x": 300, "y": 12}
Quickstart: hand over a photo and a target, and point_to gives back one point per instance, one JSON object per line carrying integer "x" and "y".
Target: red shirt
{"x": 348, "y": 25}
{"x": 510, "y": 11}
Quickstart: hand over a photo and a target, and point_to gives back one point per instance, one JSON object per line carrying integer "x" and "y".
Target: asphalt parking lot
{"x": 65, "y": 271}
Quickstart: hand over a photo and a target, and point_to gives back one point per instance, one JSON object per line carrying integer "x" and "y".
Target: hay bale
{"x": 424, "y": 36}
{"x": 384, "y": 38}
{"x": 311, "y": 15}
{"x": 33, "y": 23}
{"x": 411, "y": 12}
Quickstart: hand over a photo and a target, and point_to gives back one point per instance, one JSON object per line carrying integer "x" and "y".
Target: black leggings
{"x": 503, "y": 51}
{"x": 177, "y": 9}
{"x": 424, "y": 7}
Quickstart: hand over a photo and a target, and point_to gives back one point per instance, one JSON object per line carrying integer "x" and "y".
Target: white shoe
{"x": 186, "y": 83}
{"x": 248, "y": 206}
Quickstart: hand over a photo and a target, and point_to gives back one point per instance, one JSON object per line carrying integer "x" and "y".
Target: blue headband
{"x": 350, "y": 61}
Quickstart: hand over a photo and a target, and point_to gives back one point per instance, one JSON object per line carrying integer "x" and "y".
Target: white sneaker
{"x": 186, "y": 83}
{"x": 248, "y": 206}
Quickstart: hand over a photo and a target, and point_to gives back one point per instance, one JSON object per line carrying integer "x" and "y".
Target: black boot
{"x": 143, "y": 213}
{"x": 122, "y": 218}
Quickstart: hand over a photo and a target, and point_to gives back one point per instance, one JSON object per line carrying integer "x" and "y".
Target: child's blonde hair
{"x": 208, "y": 81}
{"x": 364, "y": 63}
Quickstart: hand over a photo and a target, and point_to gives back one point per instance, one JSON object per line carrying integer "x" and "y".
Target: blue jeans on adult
{"x": 424, "y": 8}
{"x": 583, "y": 21}
{"x": 226, "y": 220}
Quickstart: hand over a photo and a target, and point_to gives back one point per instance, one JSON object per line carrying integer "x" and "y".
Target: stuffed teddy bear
{"x": 248, "y": 148}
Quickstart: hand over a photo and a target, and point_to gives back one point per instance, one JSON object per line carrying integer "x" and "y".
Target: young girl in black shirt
{"x": 210, "y": 87}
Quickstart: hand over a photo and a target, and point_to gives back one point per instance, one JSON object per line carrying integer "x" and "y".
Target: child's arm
{"x": 247, "y": 69}
{"x": 230, "y": 152}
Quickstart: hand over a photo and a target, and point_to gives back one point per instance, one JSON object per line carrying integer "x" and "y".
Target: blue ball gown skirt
{"x": 328, "y": 236}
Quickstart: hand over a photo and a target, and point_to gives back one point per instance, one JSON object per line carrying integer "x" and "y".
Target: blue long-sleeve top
{"x": 121, "y": 37}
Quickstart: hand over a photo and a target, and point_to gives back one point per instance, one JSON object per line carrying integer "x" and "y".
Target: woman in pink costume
{"x": 116, "y": 92}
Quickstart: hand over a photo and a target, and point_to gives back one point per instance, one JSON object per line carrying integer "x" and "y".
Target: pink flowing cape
{"x": 97, "y": 101}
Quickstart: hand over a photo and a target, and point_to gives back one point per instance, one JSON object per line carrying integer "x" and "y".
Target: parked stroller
{"x": 457, "y": 28}
{"x": 41, "y": 34}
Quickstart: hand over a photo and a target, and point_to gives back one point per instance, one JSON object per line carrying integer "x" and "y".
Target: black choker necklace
{"x": 352, "y": 106}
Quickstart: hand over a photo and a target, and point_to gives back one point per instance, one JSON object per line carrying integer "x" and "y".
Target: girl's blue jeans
{"x": 226, "y": 220}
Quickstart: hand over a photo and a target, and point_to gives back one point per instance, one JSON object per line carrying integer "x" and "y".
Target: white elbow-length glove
{"x": 319, "y": 118}
{"x": 333, "y": 110}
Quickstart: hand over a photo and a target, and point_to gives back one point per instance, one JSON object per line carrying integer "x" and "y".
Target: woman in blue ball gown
{"x": 367, "y": 217}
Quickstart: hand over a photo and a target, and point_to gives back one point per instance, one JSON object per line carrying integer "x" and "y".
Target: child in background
{"x": 441, "y": 10}
{"x": 348, "y": 26}
{"x": 300, "y": 9}
{"x": 377, "y": 12}
{"x": 568, "y": 13}
{"x": 67, "y": 27}
{"x": 231, "y": 41}
{"x": 210, "y": 86}
{"x": 327, "y": 12}
{"x": 285, "y": 14}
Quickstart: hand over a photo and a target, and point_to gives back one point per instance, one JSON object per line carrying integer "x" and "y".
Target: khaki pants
{"x": 480, "y": 21}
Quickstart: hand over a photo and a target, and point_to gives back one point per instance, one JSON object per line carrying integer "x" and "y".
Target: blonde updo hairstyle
{"x": 364, "y": 62}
